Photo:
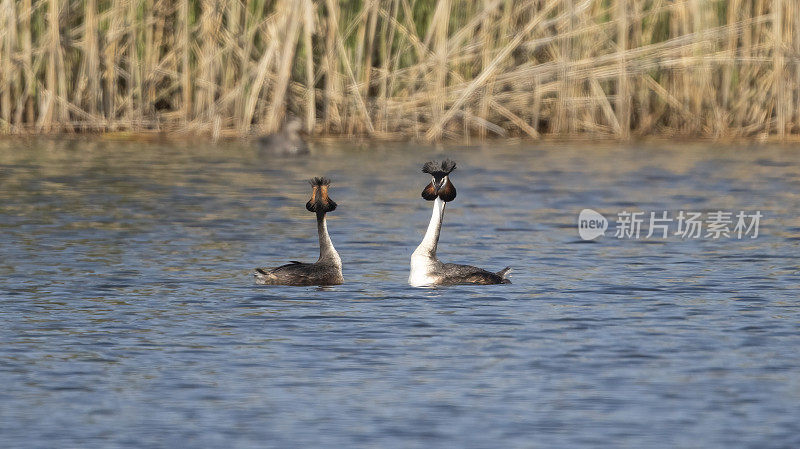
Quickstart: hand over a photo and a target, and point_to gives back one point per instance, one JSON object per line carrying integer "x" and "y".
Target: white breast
{"x": 421, "y": 271}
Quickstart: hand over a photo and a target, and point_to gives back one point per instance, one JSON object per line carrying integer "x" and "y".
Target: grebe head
{"x": 320, "y": 202}
{"x": 440, "y": 185}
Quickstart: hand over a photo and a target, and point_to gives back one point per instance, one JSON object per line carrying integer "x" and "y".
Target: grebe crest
{"x": 327, "y": 270}
{"x": 426, "y": 269}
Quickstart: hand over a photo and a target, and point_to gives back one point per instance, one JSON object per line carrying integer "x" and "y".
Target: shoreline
{"x": 203, "y": 138}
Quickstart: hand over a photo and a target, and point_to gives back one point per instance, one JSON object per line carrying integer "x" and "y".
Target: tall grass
{"x": 426, "y": 69}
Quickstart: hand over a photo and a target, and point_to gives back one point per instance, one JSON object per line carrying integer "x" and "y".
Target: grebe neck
{"x": 431, "y": 239}
{"x": 326, "y": 250}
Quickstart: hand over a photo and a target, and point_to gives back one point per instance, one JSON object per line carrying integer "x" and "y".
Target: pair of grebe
{"x": 426, "y": 269}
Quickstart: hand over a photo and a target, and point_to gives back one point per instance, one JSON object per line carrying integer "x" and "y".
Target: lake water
{"x": 130, "y": 317}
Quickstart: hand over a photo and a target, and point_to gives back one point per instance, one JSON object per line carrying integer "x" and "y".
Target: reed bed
{"x": 420, "y": 69}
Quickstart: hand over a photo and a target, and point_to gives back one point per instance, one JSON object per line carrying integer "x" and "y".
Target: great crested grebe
{"x": 325, "y": 271}
{"x": 287, "y": 141}
{"x": 426, "y": 269}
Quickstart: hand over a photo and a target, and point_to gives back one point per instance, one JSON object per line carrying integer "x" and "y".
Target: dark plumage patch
{"x": 429, "y": 193}
{"x": 448, "y": 191}
{"x": 320, "y": 202}
{"x": 452, "y": 274}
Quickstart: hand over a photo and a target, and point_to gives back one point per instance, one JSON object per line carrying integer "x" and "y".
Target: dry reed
{"x": 428, "y": 69}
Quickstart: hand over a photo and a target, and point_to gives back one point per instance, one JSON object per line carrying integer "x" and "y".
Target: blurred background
{"x": 423, "y": 69}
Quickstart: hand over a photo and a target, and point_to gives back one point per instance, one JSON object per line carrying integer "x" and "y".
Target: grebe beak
{"x": 439, "y": 184}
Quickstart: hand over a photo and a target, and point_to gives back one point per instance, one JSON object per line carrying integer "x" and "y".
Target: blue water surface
{"x": 130, "y": 318}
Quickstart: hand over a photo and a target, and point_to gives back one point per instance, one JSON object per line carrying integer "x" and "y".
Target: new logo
{"x": 591, "y": 224}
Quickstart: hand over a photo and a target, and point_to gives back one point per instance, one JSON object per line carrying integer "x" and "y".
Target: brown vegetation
{"x": 426, "y": 69}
